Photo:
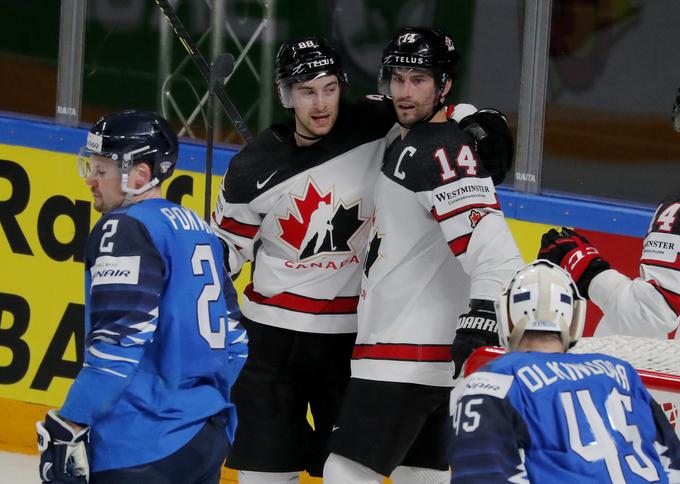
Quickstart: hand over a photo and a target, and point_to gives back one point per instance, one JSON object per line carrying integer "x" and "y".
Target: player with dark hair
{"x": 297, "y": 202}
{"x": 151, "y": 403}
{"x": 648, "y": 305}
{"x": 539, "y": 414}
{"x": 438, "y": 247}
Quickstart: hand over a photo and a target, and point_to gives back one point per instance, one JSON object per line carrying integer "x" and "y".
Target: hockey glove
{"x": 573, "y": 253}
{"x": 475, "y": 329}
{"x": 63, "y": 452}
{"x": 491, "y": 131}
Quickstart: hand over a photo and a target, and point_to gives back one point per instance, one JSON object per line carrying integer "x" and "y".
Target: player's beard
{"x": 410, "y": 112}
{"x": 316, "y": 123}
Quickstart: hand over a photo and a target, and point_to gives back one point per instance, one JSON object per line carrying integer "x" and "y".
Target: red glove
{"x": 573, "y": 253}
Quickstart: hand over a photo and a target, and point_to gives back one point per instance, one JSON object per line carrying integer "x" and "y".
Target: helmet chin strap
{"x": 125, "y": 166}
{"x": 132, "y": 192}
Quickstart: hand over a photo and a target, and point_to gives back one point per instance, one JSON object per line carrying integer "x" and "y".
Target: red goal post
{"x": 657, "y": 362}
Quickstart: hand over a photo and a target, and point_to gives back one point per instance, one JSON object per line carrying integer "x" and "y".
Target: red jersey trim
{"x": 671, "y": 298}
{"x": 403, "y": 352}
{"x": 446, "y": 216}
{"x": 303, "y": 304}
{"x": 658, "y": 263}
{"x": 459, "y": 245}
{"x": 238, "y": 228}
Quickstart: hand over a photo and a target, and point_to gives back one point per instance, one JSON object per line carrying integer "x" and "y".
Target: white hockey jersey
{"x": 438, "y": 238}
{"x": 649, "y": 305}
{"x": 301, "y": 214}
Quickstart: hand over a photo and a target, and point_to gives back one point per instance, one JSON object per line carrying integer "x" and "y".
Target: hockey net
{"x": 657, "y": 362}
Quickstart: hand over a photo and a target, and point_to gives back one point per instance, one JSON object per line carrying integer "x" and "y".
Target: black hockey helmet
{"x": 132, "y": 137}
{"x": 303, "y": 60}
{"x": 422, "y": 48}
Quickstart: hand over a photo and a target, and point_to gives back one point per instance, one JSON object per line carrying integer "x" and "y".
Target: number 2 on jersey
{"x": 465, "y": 160}
{"x": 603, "y": 447}
{"x": 211, "y": 292}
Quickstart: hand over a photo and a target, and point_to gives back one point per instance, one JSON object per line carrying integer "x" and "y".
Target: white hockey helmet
{"x": 541, "y": 296}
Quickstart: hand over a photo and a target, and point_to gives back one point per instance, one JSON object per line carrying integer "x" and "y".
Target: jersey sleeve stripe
{"x": 238, "y": 228}
{"x": 460, "y": 244}
{"x": 403, "y": 352}
{"x": 304, "y": 304}
{"x": 671, "y": 298}
{"x": 453, "y": 213}
{"x": 668, "y": 265}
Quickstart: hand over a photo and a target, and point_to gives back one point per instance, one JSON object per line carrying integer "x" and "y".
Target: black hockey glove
{"x": 475, "y": 329}
{"x": 573, "y": 253}
{"x": 63, "y": 452}
{"x": 491, "y": 131}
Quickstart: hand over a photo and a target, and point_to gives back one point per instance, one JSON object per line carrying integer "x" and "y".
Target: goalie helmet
{"x": 540, "y": 297}
{"x": 129, "y": 138}
{"x": 419, "y": 48}
{"x": 304, "y": 60}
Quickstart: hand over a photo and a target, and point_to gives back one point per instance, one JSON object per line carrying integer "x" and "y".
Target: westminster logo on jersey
{"x": 318, "y": 224}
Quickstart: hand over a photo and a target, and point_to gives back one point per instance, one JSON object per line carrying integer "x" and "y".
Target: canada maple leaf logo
{"x": 317, "y": 224}
{"x": 475, "y": 217}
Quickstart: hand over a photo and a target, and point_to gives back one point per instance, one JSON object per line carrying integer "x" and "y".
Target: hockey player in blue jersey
{"x": 151, "y": 403}
{"x": 541, "y": 415}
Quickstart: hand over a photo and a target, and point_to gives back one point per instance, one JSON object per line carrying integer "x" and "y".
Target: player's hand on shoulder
{"x": 63, "y": 451}
{"x": 572, "y": 251}
{"x": 493, "y": 138}
{"x": 475, "y": 329}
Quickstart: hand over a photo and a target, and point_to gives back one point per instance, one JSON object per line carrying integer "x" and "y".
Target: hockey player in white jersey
{"x": 539, "y": 414}
{"x": 439, "y": 247}
{"x": 648, "y": 305}
{"x": 296, "y": 202}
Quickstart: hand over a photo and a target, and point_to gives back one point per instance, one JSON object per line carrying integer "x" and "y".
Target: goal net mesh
{"x": 661, "y": 356}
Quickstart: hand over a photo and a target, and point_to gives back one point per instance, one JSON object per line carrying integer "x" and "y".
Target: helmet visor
{"x": 94, "y": 165}
{"x": 306, "y": 91}
{"x": 389, "y": 73}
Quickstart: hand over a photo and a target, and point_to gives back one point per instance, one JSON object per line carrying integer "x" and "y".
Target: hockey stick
{"x": 236, "y": 118}
{"x": 222, "y": 66}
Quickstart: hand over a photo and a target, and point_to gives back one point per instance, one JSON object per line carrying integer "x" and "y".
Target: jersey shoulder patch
{"x": 487, "y": 383}
{"x": 464, "y": 193}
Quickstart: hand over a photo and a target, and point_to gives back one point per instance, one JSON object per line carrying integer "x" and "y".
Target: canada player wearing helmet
{"x": 296, "y": 202}
{"x": 439, "y": 250}
{"x": 648, "y": 305}
{"x": 151, "y": 402}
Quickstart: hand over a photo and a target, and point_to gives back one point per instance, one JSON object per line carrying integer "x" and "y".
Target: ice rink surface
{"x": 18, "y": 468}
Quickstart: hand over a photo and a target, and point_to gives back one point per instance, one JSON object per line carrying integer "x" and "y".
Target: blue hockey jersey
{"x": 162, "y": 348}
{"x": 560, "y": 418}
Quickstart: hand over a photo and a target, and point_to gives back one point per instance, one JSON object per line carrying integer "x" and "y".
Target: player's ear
{"x": 448, "y": 85}
{"x": 143, "y": 172}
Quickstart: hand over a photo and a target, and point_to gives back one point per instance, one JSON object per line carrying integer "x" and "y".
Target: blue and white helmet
{"x": 540, "y": 297}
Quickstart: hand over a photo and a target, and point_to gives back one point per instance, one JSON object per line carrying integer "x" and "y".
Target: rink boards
{"x": 46, "y": 213}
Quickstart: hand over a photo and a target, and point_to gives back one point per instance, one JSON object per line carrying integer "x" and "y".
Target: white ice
{"x": 18, "y": 468}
